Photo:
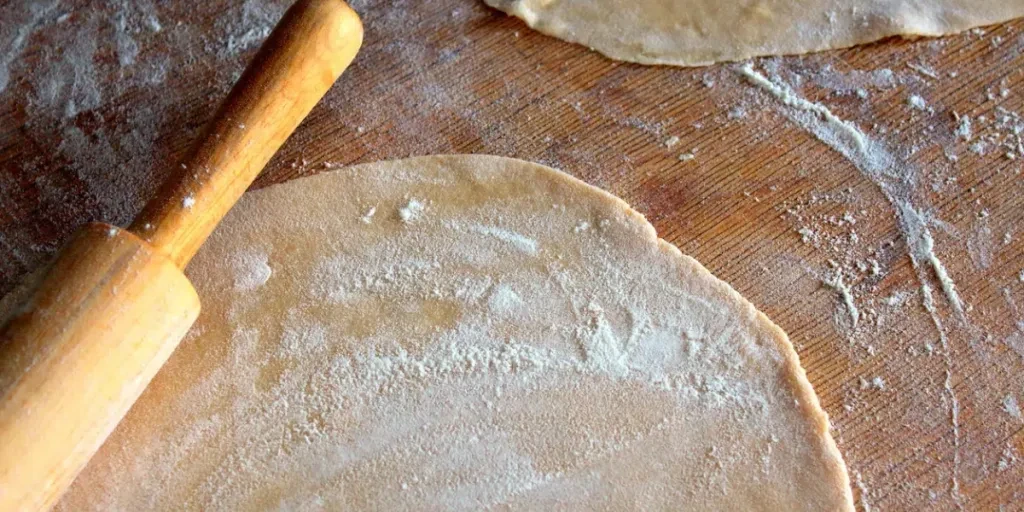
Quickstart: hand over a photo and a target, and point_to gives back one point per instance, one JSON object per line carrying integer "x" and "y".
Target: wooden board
{"x": 101, "y": 101}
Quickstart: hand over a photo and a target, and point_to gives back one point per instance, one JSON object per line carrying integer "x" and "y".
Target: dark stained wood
{"x": 451, "y": 76}
{"x": 115, "y": 304}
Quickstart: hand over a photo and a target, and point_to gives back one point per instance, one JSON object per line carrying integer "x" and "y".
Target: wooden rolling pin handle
{"x": 115, "y": 305}
{"x": 307, "y": 51}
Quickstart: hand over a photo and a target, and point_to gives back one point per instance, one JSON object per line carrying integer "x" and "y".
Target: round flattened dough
{"x": 702, "y": 32}
{"x": 461, "y": 332}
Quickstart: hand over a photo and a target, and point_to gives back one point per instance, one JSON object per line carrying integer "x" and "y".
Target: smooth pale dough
{"x": 702, "y": 32}
{"x": 462, "y": 332}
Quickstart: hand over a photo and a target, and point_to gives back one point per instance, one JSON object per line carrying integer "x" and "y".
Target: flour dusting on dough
{"x": 251, "y": 270}
{"x": 368, "y": 215}
{"x": 520, "y": 242}
{"x": 482, "y": 356}
{"x": 412, "y": 210}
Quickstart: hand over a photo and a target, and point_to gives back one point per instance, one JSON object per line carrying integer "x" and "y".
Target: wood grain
{"x": 451, "y": 76}
{"x": 299, "y": 62}
{"x": 114, "y": 306}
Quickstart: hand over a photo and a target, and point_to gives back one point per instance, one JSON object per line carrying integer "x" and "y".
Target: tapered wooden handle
{"x": 314, "y": 42}
{"x": 115, "y": 304}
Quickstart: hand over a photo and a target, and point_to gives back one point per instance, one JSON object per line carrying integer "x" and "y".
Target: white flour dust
{"x": 520, "y": 242}
{"x": 251, "y": 270}
{"x": 99, "y": 92}
{"x": 475, "y": 357}
{"x": 844, "y": 292}
{"x": 897, "y": 180}
{"x": 1011, "y": 407}
{"x": 894, "y": 178}
{"x": 412, "y": 210}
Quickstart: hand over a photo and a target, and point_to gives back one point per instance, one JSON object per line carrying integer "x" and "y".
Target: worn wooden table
{"x": 97, "y": 102}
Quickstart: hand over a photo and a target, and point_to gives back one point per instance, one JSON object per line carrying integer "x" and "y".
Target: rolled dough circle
{"x": 462, "y": 332}
{"x": 702, "y": 32}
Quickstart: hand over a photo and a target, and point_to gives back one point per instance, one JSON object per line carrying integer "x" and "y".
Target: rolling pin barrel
{"x": 105, "y": 318}
{"x": 115, "y": 303}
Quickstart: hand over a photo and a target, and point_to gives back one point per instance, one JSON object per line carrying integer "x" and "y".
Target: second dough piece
{"x": 702, "y": 32}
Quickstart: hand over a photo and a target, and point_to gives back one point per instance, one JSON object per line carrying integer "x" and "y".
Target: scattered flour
{"x": 368, "y": 215}
{"x": 864, "y": 493}
{"x": 250, "y": 270}
{"x": 896, "y": 180}
{"x": 837, "y": 284}
{"x": 1007, "y": 459}
{"x": 251, "y": 28}
{"x": 876, "y": 383}
{"x": 855, "y": 81}
{"x": 786, "y": 95}
{"x": 948, "y": 286}
{"x": 15, "y": 34}
{"x": 1011, "y": 407}
{"x": 94, "y": 92}
{"x": 924, "y": 70}
{"x": 963, "y": 127}
{"x": 504, "y": 301}
{"x": 897, "y": 299}
{"x": 412, "y": 210}
{"x": 520, "y": 242}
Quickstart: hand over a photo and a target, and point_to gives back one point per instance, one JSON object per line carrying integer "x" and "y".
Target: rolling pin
{"x": 115, "y": 303}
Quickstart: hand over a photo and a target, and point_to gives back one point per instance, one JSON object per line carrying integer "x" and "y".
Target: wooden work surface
{"x": 100, "y": 101}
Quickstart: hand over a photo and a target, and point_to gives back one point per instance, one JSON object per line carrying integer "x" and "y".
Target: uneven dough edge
{"x": 795, "y": 373}
{"x": 685, "y": 265}
{"x": 944, "y": 21}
